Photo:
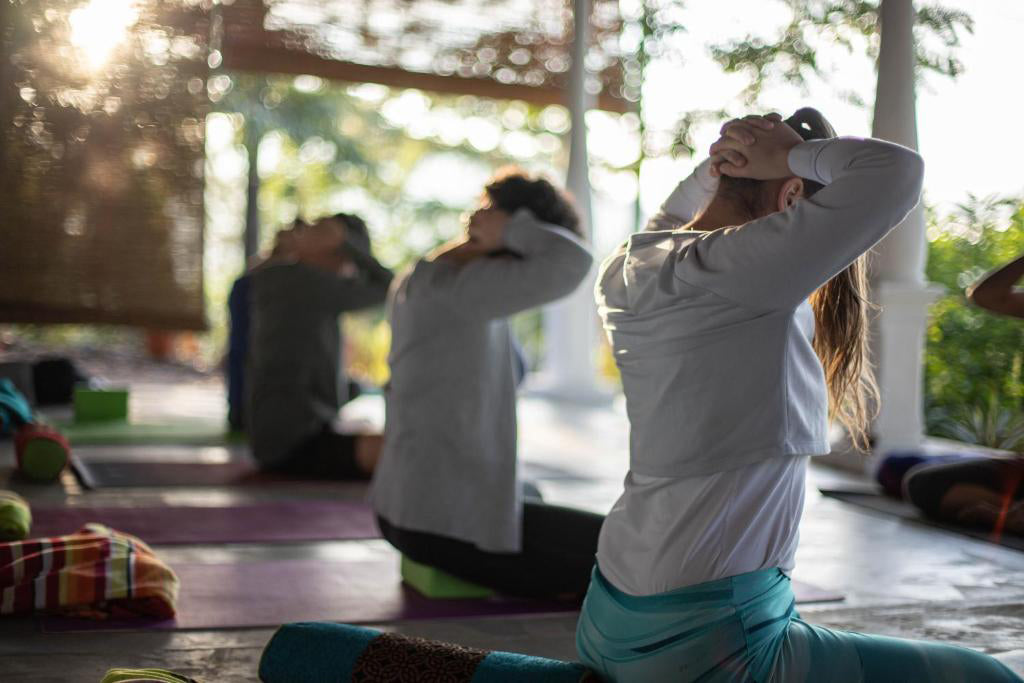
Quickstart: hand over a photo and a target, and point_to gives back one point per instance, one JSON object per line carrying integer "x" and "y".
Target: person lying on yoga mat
{"x": 982, "y": 492}
{"x": 294, "y": 378}
{"x": 446, "y": 488}
{"x": 987, "y": 493}
{"x": 739, "y": 328}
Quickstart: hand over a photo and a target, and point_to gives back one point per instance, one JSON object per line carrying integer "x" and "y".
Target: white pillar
{"x": 570, "y": 325}
{"x": 898, "y": 261}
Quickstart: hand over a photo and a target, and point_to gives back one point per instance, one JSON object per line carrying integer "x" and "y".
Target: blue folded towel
{"x": 313, "y": 652}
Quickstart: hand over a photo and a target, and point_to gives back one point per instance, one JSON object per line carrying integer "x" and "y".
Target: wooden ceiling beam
{"x": 270, "y": 59}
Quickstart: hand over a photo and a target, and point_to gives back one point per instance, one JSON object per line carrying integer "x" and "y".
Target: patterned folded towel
{"x": 320, "y": 652}
{"x": 95, "y": 572}
{"x": 15, "y": 516}
{"x": 145, "y": 676}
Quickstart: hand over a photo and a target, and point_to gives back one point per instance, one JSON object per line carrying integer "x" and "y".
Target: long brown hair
{"x": 841, "y": 305}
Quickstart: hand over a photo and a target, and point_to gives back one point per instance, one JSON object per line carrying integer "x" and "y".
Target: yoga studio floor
{"x": 897, "y": 577}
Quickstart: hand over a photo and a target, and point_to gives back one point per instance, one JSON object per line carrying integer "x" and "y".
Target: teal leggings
{"x": 746, "y": 628}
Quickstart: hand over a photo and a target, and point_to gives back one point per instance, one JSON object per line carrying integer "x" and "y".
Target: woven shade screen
{"x": 101, "y": 162}
{"x": 512, "y": 49}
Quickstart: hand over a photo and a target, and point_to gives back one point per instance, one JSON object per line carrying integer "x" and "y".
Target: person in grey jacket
{"x": 446, "y": 489}
{"x": 295, "y": 382}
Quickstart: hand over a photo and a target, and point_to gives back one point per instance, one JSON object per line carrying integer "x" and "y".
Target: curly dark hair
{"x": 513, "y": 188}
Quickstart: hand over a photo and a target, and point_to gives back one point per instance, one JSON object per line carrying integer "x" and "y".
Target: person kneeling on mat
{"x": 294, "y": 380}
{"x": 738, "y": 330}
{"x": 446, "y": 490}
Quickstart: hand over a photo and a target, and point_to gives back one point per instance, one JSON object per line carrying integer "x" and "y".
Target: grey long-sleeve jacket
{"x": 449, "y": 460}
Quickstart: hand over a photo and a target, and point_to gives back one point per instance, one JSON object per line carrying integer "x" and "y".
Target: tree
{"x": 791, "y": 56}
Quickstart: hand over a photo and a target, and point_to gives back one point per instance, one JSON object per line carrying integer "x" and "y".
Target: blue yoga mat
{"x": 316, "y": 652}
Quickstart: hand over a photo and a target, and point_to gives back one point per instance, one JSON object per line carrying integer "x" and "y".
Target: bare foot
{"x": 368, "y": 447}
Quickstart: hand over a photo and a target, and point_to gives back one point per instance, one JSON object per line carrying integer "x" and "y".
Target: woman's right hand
{"x": 754, "y": 147}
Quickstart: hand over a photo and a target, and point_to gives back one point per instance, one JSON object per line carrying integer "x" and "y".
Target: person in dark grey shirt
{"x": 238, "y": 323}
{"x": 295, "y": 383}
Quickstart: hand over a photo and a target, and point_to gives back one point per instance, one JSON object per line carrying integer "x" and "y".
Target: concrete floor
{"x": 900, "y": 579}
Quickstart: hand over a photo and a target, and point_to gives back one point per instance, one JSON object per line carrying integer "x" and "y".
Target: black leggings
{"x": 328, "y": 455}
{"x": 559, "y": 545}
{"x": 927, "y": 485}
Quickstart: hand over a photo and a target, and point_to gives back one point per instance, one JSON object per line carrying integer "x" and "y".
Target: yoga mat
{"x": 264, "y": 522}
{"x": 98, "y": 474}
{"x": 117, "y": 474}
{"x": 181, "y": 431}
{"x": 269, "y": 593}
{"x": 806, "y": 593}
{"x": 898, "y": 508}
{"x": 273, "y": 592}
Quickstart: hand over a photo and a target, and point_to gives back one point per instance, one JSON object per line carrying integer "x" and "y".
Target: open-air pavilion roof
{"x": 511, "y": 49}
{"x": 101, "y": 161}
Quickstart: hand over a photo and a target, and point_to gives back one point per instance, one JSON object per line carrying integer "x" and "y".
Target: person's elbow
{"x": 907, "y": 179}
{"x": 579, "y": 268}
{"x": 563, "y": 278}
{"x": 975, "y": 294}
{"x": 986, "y": 297}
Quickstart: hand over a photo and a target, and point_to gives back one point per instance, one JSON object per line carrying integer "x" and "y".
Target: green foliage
{"x": 820, "y": 26}
{"x": 974, "y": 365}
{"x": 853, "y": 25}
{"x": 991, "y": 424}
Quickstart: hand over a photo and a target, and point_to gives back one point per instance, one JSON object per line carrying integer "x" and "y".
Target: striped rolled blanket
{"x": 314, "y": 652}
{"x": 95, "y": 572}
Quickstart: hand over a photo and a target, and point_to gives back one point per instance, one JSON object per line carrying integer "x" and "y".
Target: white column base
{"x": 899, "y": 351}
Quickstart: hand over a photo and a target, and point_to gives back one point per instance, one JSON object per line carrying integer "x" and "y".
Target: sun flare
{"x": 99, "y": 26}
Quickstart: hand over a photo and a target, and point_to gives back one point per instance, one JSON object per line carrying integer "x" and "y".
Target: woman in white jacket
{"x": 739, "y": 331}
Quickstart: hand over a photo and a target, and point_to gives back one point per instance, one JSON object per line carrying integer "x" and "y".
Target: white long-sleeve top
{"x": 724, "y": 371}
{"x": 712, "y": 332}
{"x": 449, "y": 461}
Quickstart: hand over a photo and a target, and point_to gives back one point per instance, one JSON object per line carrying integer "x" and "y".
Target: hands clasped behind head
{"x": 754, "y": 147}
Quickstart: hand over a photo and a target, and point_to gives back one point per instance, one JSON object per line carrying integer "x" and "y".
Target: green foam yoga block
{"x": 97, "y": 405}
{"x": 435, "y": 583}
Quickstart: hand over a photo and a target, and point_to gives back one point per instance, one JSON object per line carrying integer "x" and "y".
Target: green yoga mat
{"x": 183, "y": 432}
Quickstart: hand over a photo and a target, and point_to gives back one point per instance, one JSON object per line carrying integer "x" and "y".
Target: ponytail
{"x": 840, "y": 305}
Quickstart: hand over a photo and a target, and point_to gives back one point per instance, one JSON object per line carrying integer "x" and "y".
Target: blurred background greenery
{"x": 974, "y": 363}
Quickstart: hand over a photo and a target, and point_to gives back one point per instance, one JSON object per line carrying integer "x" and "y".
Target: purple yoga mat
{"x": 263, "y": 522}
{"x": 355, "y": 591}
{"x": 272, "y": 593}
